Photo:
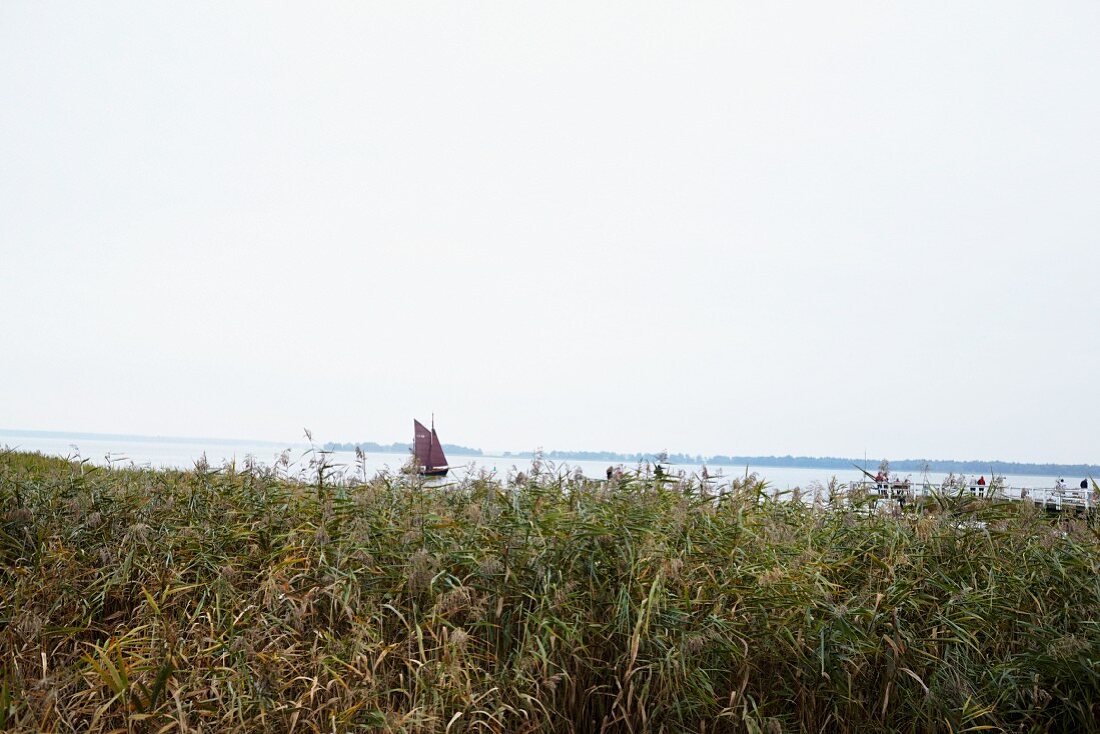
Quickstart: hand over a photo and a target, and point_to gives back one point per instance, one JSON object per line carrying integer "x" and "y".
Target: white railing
{"x": 1057, "y": 498}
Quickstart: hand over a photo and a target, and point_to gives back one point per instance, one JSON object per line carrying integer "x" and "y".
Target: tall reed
{"x": 256, "y": 599}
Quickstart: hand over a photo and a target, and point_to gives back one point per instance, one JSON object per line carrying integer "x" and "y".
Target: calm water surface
{"x": 182, "y": 454}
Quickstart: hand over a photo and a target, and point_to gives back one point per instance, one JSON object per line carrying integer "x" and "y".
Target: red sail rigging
{"x": 423, "y": 445}
{"x": 436, "y": 457}
{"x": 428, "y": 450}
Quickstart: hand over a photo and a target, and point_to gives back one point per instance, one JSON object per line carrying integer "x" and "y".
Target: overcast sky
{"x": 739, "y": 228}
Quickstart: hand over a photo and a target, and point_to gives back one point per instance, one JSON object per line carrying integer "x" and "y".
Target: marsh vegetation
{"x": 252, "y": 598}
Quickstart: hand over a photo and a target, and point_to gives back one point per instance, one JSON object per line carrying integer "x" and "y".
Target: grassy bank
{"x": 243, "y": 600}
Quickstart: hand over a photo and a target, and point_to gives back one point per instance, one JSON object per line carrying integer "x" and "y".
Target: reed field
{"x": 266, "y": 599}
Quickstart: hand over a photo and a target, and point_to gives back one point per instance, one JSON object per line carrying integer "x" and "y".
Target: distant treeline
{"x": 398, "y": 448}
{"x": 973, "y": 466}
{"x": 944, "y": 466}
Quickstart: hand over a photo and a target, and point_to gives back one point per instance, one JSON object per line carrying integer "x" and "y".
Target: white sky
{"x": 740, "y": 228}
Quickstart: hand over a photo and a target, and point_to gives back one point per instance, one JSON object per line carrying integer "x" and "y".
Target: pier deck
{"x": 1056, "y": 499}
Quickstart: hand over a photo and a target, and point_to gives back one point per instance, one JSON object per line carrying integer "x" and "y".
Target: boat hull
{"x": 434, "y": 472}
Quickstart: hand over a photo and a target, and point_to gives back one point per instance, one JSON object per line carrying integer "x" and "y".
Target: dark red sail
{"x": 436, "y": 457}
{"x": 423, "y": 445}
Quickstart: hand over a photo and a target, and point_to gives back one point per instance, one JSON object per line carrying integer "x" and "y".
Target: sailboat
{"x": 429, "y": 452}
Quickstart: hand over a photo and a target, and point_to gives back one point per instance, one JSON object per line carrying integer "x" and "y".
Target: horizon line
{"x": 93, "y": 435}
{"x": 37, "y": 433}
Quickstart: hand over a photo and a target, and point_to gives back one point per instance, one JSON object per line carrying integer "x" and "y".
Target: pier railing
{"x": 1053, "y": 498}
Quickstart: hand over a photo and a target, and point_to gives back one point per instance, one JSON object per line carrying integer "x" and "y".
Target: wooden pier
{"x": 1054, "y": 499}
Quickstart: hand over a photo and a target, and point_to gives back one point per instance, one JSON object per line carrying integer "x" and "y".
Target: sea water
{"x": 180, "y": 453}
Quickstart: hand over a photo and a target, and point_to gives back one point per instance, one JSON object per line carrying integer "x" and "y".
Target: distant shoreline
{"x": 91, "y": 436}
{"x": 943, "y": 466}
